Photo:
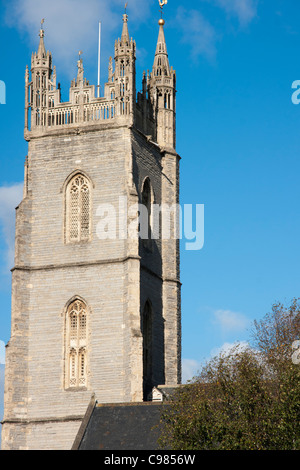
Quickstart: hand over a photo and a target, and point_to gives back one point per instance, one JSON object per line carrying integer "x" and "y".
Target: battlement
{"x": 152, "y": 111}
{"x": 83, "y": 108}
{"x": 44, "y": 110}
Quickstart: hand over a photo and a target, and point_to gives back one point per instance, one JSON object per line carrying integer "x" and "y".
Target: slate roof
{"x": 128, "y": 426}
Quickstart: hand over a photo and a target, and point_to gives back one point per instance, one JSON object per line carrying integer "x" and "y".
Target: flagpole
{"x": 99, "y": 52}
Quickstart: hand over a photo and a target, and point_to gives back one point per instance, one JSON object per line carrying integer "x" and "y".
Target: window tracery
{"x": 76, "y": 345}
{"x": 78, "y": 209}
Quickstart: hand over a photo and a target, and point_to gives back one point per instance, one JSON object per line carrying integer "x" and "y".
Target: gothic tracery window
{"x": 78, "y": 209}
{"x": 76, "y": 345}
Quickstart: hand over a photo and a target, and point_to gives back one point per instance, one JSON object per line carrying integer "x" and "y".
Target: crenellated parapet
{"x": 44, "y": 110}
{"x": 152, "y": 111}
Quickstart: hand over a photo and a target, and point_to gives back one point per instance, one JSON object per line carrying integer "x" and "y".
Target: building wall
{"x": 49, "y": 273}
{"x": 102, "y": 156}
{"x": 171, "y": 271}
{"x": 47, "y": 435}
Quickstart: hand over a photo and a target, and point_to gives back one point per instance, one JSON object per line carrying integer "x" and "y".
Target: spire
{"x": 41, "y": 50}
{"x": 161, "y": 47}
{"x": 42, "y": 59}
{"x": 162, "y": 91}
{"x": 161, "y": 64}
{"x": 125, "y": 34}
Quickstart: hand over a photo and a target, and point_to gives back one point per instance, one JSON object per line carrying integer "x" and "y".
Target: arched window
{"x": 122, "y": 68}
{"x": 145, "y": 229}
{"x": 76, "y": 344}
{"x": 147, "y": 332}
{"x": 38, "y": 80}
{"x": 44, "y": 80}
{"x": 78, "y": 209}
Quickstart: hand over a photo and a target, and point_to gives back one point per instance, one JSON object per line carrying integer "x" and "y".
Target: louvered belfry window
{"x": 76, "y": 344}
{"x": 78, "y": 210}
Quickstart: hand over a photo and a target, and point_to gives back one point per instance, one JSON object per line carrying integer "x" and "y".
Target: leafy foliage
{"x": 245, "y": 400}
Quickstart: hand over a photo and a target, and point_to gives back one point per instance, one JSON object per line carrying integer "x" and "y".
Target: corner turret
{"x": 125, "y": 74}
{"x": 36, "y": 91}
{"x": 162, "y": 91}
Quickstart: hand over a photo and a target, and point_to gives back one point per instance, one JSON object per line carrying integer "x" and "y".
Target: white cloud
{"x": 228, "y": 320}
{"x": 190, "y": 369}
{"x": 228, "y": 348}
{"x": 197, "y": 32}
{"x": 2, "y": 352}
{"x": 200, "y": 35}
{"x": 10, "y": 197}
{"x": 244, "y": 10}
{"x": 72, "y": 25}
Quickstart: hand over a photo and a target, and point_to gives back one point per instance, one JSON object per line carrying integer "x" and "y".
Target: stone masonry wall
{"x": 49, "y": 273}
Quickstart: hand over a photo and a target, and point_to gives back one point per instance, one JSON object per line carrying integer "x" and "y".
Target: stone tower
{"x": 95, "y": 295}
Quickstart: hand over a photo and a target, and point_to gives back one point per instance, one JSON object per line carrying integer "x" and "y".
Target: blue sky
{"x": 237, "y": 133}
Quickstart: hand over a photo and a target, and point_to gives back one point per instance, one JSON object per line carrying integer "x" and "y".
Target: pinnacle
{"x": 161, "y": 47}
{"x": 41, "y": 50}
{"x": 125, "y": 34}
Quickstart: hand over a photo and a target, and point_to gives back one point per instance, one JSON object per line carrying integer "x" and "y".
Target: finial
{"x": 125, "y": 16}
{"x": 162, "y": 3}
{"x": 80, "y": 70}
{"x": 42, "y": 33}
{"x": 79, "y": 63}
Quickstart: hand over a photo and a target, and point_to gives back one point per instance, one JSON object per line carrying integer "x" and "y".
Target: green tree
{"x": 248, "y": 399}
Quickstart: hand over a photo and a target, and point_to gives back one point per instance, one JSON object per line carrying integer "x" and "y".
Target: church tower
{"x": 96, "y": 283}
